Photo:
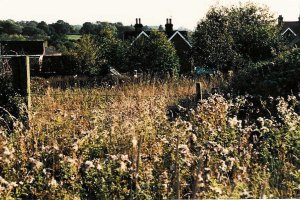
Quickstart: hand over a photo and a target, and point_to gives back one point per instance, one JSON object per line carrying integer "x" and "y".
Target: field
{"x": 151, "y": 141}
{"x": 73, "y": 37}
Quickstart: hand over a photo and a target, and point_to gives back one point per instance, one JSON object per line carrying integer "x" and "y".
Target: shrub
{"x": 280, "y": 76}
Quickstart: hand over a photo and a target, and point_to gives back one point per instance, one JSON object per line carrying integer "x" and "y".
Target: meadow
{"x": 152, "y": 140}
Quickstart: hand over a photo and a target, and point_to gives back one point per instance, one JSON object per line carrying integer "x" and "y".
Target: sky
{"x": 184, "y": 13}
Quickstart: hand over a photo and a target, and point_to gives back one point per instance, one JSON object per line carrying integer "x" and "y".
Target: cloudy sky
{"x": 185, "y": 13}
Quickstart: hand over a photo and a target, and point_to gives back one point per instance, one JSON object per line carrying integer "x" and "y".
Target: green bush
{"x": 280, "y": 76}
{"x": 10, "y": 104}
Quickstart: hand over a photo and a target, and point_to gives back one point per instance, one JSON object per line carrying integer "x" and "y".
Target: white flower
{"x": 99, "y": 167}
{"x": 123, "y": 166}
{"x": 13, "y": 184}
{"x": 134, "y": 142}
{"x": 3, "y": 181}
{"x": 37, "y": 163}
{"x": 233, "y": 122}
{"x": 89, "y": 164}
{"x": 53, "y": 183}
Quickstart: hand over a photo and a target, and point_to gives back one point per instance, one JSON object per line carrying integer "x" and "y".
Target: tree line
{"x": 56, "y": 32}
{"x": 237, "y": 38}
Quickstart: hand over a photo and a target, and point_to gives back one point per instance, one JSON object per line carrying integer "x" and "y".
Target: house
{"x": 178, "y": 38}
{"x": 290, "y": 31}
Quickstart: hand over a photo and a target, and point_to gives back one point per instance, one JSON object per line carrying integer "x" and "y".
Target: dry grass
{"x": 118, "y": 143}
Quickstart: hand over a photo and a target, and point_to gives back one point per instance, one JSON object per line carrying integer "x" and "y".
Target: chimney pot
{"x": 136, "y": 21}
{"x": 139, "y": 20}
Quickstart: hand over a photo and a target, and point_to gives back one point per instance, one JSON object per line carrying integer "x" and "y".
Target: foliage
{"x": 155, "y": 55}
{"x": 276, "y": 77}
{"x": 86, "y": 52}
{"x": 112, "y": 50}
{"x": 231, "y": 38}
{"x": 11, "y": 104}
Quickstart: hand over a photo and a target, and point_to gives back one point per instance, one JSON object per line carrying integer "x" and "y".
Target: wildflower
{"x": 55, "y": 146}
{"x": 72, "y": 161}
{"x": 89, "y": 164}
{"x": 194, "y": 138}
{"x": 53, "y": 183}
{"x": 233, "y": 122}
{"x": 123, "y": 166}
{"x": 113, "y": 157}
{"x": 261, "y": 121}
{"x": 13, "y": 184}
{"x": 37, "y": 163}
{"x": 3, "y": 181}
{"x": 7, "y": 152}
{"x": 134, "y": 142}
{"x": 75, "y": 147}
{"x": 99, "y": 167}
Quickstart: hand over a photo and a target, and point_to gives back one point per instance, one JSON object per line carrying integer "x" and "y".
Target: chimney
{"x": 280, "y": 20}
{"x": 169, "y": 25}
{"x": 138, "y": 26}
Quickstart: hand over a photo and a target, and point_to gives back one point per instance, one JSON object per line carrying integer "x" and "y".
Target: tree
{"x": 86, "y": 52}
{"x": 231, "y": 38}
{"x": 61, "y": 27}
{"x": 32, "y": 31}
{"x": 88, "y": 28}
{"x": 44, "y": 26}
{"x": 10, "y": 27}
{"x": 112, "y": 50}
{"x": 95, "y": 54}
{"x": 155, "y": 55}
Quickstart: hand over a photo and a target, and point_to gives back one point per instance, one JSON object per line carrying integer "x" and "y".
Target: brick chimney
{"x": 280, "y": 20}
{"x": 138, "y": 26}
{"x": 169, "y": 25}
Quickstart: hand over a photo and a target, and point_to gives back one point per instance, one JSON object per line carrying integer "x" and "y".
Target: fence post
{"x": 198, "y": 91}
{"x": 21, "y": 77}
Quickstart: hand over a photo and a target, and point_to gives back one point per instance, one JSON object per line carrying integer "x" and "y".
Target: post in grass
{"x": 21, "y": 78}
{"x": 198, "y": 91}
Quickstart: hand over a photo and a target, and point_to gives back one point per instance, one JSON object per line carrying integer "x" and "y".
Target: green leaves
{"x": 155, "y": 55}
{"x": 230, "y": 38}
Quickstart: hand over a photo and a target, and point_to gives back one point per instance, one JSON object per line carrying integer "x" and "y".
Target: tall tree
{"x": 155, "y": 55}
{"x": 61, "y": 27}
{"x": 230, "y": 38}
{"x": 44, "y": 26}
{"x": 86, "y": 52}
{"x": 10, "y": 27}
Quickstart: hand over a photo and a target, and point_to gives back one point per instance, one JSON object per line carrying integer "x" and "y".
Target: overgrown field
{"x": 152, "y": 141}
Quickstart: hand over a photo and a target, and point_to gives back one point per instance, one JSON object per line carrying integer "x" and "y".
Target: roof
{"x": 293, "y": 26}
{"x": 178, "y": 33}
{"x": 170, "y": 35}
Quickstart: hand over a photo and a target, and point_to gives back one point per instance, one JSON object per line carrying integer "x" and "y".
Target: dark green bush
{"x": 10, "y": 103}
{"x": 280, "y": 76}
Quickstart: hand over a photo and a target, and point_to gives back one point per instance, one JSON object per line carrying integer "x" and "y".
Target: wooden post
{"x": 198, "y": 91}
{"x": 21, "y": 77}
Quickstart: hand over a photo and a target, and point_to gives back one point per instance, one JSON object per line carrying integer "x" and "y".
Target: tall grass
{"x": 120, "y": 143}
